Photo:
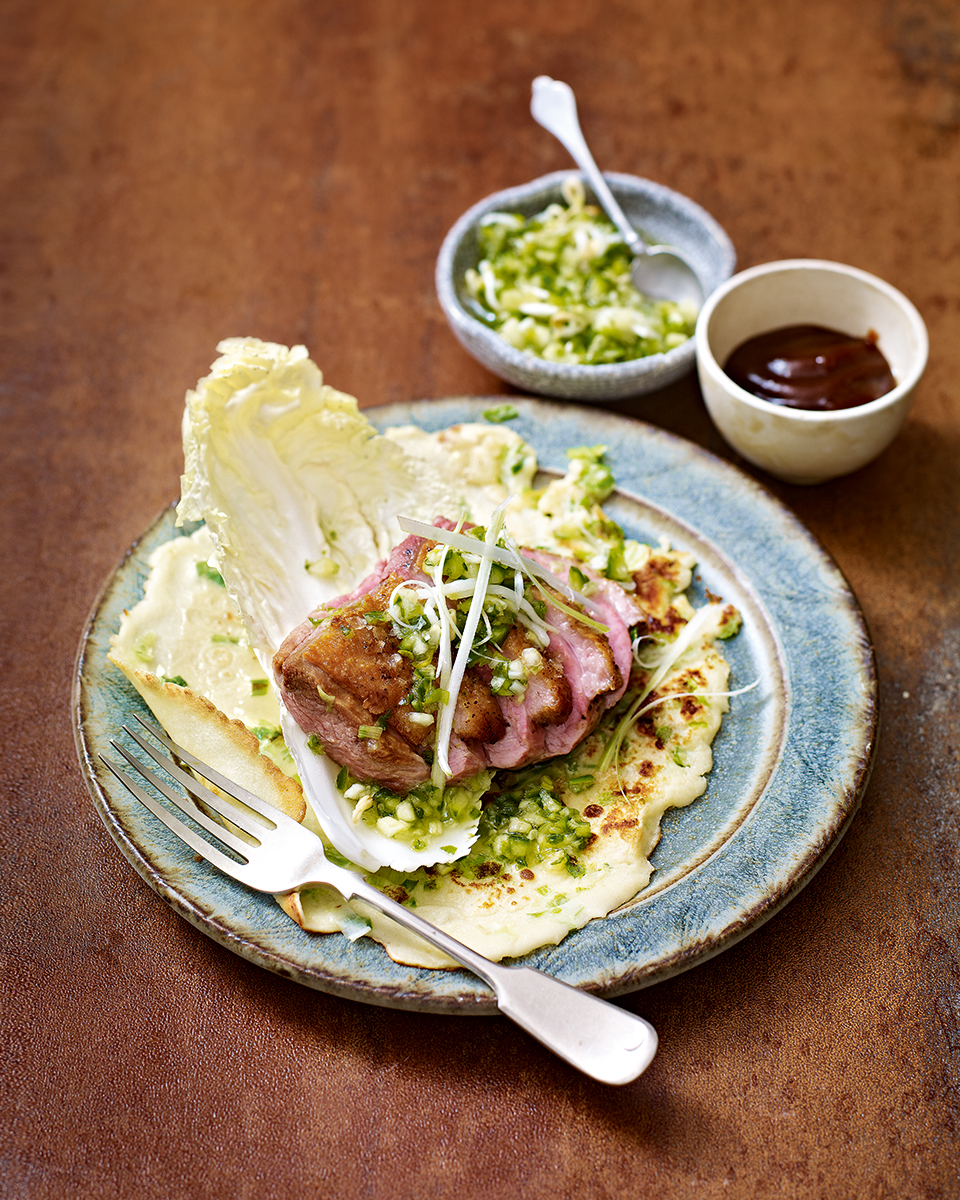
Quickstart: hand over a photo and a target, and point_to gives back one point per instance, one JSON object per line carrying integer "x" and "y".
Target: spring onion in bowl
{"x": 558, "y": 286}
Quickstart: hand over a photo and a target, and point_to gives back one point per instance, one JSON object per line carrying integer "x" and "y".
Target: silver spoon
{"x": 658, "y": 271}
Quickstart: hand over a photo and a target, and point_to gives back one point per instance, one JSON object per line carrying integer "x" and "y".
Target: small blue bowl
{"x": 662, "y": 215}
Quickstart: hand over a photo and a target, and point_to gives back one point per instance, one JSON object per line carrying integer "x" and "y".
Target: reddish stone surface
{"x": 174, "y": 173}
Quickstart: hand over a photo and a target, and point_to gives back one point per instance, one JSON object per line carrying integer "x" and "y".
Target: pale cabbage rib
{"x": 270, "y": 449}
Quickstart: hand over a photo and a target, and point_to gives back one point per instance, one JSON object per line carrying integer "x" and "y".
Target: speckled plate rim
{"x": 782, "y": 800}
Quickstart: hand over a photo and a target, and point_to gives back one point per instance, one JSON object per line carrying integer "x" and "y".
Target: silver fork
{"x": 605, "y": 1042}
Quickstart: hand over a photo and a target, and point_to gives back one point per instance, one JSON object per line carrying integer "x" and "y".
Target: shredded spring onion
{"x": 509, "y": 557}
{"x": 441, "y": 768}
{"x": 672, "y": 653}
{"x": 445, "y": 725}
{"x": 442, "y": 622}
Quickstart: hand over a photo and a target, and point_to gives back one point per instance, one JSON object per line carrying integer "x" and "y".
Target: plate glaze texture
{"x": 790, "y": 763}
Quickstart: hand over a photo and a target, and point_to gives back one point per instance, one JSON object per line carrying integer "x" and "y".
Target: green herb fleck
{"x": 143, "y": 650}
{"x": 205, "y": 571}
{"x": 265, "y": 733}
{"x": 177, "y": 679}
{"x": 500, "y": 413}
{"x": 582, "y": 582}
{"x": 258, "y": 687}
{"x": 731, "y": 623}
{"x": 324, "y": 567}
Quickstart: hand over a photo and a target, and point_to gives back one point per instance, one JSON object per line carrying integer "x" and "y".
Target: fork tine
{"x": 175, "y": 825}
{"x": 185, "y": 805}
{"x": 251, "y": 800}
{"x": 233, "y": 814}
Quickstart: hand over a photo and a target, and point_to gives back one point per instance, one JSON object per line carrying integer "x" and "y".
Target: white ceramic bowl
{"x": 795, "y": 445}
{"x": 661, "y": 214}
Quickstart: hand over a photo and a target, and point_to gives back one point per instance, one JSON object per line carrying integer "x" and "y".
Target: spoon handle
{"x": 554, "y": 106}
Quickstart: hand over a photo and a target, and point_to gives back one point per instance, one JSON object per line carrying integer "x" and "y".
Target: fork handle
{"x": 605, "y": 1042}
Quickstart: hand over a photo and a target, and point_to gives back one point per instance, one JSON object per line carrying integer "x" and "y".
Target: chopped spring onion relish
{"x": 523, "y": 827}
{"x": 531, "y": 825}
{"x": 558, "y": 286}
{"x": 422, "y": 813}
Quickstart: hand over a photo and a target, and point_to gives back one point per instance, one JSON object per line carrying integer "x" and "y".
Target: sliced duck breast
{"x": 343, "y": 678}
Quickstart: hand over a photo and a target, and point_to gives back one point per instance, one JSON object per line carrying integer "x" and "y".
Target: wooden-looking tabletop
{"x": 174, "y": 173}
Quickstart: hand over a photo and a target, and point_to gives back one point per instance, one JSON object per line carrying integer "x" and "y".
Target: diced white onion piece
{"x": 489, "y": 284}
{"x": 365, "y": 802}
{"x": 390, "y": 826}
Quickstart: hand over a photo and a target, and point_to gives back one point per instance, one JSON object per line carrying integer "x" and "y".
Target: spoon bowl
{"x": 661, "y": 272}
{"x": 664, "y": 274}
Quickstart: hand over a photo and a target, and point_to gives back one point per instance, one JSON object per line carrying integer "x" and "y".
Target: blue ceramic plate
{"x": 791, "y": 761}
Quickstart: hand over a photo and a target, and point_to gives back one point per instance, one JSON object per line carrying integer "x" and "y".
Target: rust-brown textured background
{"x": 175, "y": 172}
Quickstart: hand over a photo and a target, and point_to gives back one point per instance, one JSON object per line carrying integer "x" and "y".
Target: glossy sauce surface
{"x": 809, "y": 367}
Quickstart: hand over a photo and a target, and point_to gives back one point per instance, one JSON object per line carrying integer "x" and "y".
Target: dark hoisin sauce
{"x": 807, "y": 366}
